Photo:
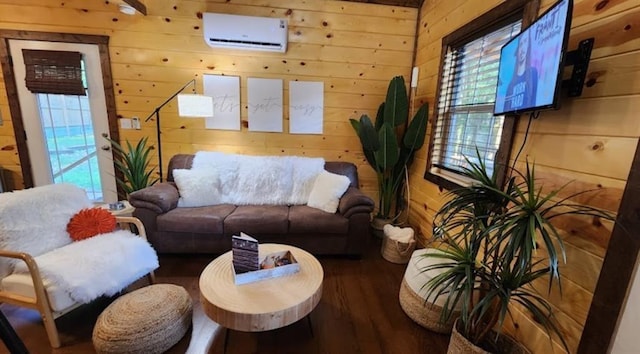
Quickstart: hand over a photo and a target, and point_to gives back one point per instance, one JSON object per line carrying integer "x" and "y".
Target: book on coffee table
{"x": 245, "y": 253}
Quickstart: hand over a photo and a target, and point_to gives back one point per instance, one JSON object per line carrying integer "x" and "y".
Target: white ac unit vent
{"x": 245, "y": 32}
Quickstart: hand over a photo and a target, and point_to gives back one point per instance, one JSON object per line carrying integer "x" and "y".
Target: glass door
{"x": 66, "y": 134}
{"x": 71, "y": 146}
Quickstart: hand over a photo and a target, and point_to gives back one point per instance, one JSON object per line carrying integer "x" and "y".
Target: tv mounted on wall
{"x": 531, "y": 63}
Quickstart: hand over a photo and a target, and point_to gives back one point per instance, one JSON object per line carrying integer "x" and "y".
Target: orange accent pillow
{"x": 90, "y": 222}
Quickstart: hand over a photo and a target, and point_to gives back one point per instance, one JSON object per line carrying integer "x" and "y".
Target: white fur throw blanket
{"x": 260, "y": 180}
{"x": 101, "y": 265}
{"x": 35, "y": 220}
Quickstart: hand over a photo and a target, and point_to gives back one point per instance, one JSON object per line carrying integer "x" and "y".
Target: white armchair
{"x": 40, "y": 266}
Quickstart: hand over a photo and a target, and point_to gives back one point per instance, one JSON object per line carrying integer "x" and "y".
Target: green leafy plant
{"x": 389, "y": 145}
{"x": 498, "y": 240}
{"x": 134, "y": 164}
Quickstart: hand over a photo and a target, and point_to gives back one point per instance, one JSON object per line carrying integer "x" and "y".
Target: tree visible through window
{"x": 464, "y": 113}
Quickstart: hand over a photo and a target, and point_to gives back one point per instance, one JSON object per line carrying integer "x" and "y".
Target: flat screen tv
{"x": 531, "y": 63}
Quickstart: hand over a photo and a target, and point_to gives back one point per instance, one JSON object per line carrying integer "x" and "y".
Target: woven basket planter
{"x": 395, "y": 251}
{"x": 458, "y": 344}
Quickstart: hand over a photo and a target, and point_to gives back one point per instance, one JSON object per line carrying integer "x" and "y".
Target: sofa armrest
{"x": 354, "y": 201}
{"x": 160, "y": 197}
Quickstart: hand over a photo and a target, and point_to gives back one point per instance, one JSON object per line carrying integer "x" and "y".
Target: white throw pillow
{"x": 197, "y": 187}
{"x": 327, "y": 190}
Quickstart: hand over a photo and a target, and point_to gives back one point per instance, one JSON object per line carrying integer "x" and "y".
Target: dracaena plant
{"x": 134, "y": 163}
{"x": 497, "y": 241}
{"x": 389, "y": 145}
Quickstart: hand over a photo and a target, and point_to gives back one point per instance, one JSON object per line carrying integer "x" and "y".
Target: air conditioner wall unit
{"x": 245, "y": 32}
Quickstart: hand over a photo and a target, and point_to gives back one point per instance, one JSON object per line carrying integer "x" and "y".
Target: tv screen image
{"x": 531, "y": 63}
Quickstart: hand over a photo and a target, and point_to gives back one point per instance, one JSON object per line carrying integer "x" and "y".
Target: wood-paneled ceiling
{"x": 140, "y": 7}
{"x": 404, "y": 3}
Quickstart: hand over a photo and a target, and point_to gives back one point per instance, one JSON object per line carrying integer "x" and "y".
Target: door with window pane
{"x": 66, "y": 133}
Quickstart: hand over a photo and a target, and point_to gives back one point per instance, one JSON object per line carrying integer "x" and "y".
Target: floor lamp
{"x": 189, "y": 105}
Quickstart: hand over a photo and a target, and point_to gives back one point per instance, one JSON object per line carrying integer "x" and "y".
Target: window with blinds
{"x": 465, "y": 119}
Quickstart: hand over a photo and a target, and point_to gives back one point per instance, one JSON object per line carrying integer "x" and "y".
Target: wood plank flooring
{"x": 359, "y": 313}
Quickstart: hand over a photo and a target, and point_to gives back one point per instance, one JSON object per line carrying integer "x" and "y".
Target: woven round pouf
{"x": 149, "y": 320}
{"x": 413, "y": 294}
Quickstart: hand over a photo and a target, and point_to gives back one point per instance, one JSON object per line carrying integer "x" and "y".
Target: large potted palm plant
{"x": 389, "y": 144}
{"x": 497, "y": 241}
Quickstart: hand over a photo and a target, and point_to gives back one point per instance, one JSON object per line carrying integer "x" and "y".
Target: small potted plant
{"x": 498, "y": 240}
{"x": 133, "y": 163}
{"x": 389, "y": 145}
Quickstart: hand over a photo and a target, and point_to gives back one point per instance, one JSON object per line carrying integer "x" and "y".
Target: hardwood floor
{"x": 359, "y": 313}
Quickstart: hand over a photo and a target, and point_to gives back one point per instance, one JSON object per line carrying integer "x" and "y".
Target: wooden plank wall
{"x": 8, "y": 151}
{"x": 590, "y": 141}
{"x": 354, "y": 48}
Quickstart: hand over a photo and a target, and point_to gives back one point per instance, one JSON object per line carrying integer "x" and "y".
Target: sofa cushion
{"x": 305, "y": 219}
{"x": 197, "y": 187}
{"x": 256, "y": 219}
{"x": 207, "y": 219}
{"x": 327, "y": 190}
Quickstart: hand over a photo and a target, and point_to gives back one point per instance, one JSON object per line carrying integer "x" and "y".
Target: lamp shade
{"x": 197, "y": 106}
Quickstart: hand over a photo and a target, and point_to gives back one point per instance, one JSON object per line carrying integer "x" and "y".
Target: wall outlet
{"x": 135, "y": 121}
{"x": 125, "y": 123}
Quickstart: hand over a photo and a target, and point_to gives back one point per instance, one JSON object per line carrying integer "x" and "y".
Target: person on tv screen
{"x": 521, "y": 92}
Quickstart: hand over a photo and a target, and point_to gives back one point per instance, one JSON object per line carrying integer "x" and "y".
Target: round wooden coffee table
{"x": 263, "y": 305}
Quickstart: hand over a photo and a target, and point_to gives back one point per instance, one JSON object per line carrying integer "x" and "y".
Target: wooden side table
{"x": 263, "y": 305}
{"x": 126, "y": 211}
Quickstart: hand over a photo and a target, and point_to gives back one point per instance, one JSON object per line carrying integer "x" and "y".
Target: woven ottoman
{"x": 412, "y": 294}
{"x": 149, "y": 320}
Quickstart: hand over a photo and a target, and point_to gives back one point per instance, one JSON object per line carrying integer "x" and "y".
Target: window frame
{"x": 501, "y": 15}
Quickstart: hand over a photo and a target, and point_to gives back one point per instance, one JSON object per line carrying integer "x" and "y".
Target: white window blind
{"x": 465, "y": 110}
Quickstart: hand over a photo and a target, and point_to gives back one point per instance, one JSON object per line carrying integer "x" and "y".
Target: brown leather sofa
{"x": 208, "y": 229}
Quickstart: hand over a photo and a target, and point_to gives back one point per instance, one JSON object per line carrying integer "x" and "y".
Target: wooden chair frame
{"x": 41, "y": 300}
